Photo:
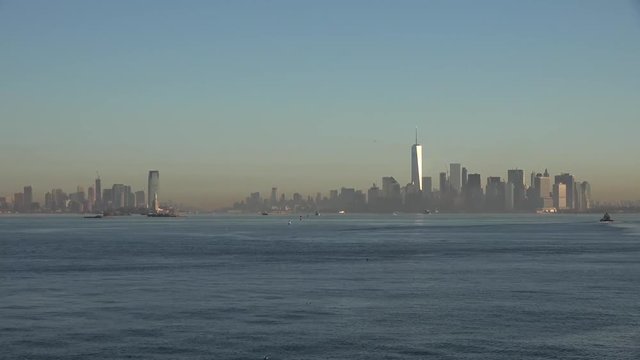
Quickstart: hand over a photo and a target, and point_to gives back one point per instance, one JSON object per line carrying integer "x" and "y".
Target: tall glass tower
{"x": 152, "y": 190}
{"x": 455, "y": 177}
{"x": 416, "y": 163}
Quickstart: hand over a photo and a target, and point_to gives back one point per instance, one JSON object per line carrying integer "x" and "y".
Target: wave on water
{"x": 629, "y": 228}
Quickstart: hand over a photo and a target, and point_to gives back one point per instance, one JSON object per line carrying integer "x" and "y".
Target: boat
{"x": 341, "y": 212}
{"x": 264, "y": 213}
{"x": 317, "y": 213}
{"x": 162, "y": 214}
{"x": 426, "y": 212}
{"x": 606, "y": 218}
{"x": 98, "y": 216}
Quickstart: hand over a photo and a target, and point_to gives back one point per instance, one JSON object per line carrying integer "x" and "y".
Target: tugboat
{"x": 606, "y": 218}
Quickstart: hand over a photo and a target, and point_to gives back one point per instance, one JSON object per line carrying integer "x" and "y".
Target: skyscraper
{"x": 28, "y": 199}
{"x": 18, "y": 202}
{"x": 516, "y": 177}
{"x": 495, "y": 194}
{"x": 474, "y": 196}
{"x": 570, "y": 182}
{"x": 98, "y": 193}
{"x": 509, "y": 190}
{"x": 416, "y": 163}
{"x": 560, "y": 196}
{"x": 455, "y": 177}
{"x": 544, "y": 190}
{"x": 582, "y": 196}
{"x": 118, "y": 193}
{"x": 464, "y": 178}
{"x": 91, "y": 195}
{"x": 139, "y": 199}
{"x": 391, "y": 188}
{"x": 152, "y": 189}
{"x": 427, "y": 185}
{"x": 444, "y": 187}
{"x": 274, "y": 198}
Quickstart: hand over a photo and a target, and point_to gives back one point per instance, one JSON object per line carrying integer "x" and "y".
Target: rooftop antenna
{"x": 416, "y": 135}
{"x": 98, "y": 174}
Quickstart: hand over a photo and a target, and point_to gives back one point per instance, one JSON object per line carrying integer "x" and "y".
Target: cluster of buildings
{"x": 458, "y": 190}
{"x": 96, "y": 199}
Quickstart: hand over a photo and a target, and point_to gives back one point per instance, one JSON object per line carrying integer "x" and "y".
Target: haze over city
{"x": 225, "y": 98}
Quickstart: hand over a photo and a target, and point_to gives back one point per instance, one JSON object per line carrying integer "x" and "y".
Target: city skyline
{"x": 455, "y": 177}
{"x": 458, "y": 190}
{"x": 124, "y": 87}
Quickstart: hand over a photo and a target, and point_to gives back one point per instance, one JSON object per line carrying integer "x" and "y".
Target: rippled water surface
{"x": 326, "y": 287}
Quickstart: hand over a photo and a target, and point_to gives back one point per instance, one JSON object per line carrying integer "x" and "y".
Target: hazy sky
{"x": 226, "y": 97}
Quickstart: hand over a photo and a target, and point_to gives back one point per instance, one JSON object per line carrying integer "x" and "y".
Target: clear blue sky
{"x": 225, "y": 97}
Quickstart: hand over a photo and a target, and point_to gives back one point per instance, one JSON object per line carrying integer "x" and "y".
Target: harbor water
{"x": 325, "y": 287}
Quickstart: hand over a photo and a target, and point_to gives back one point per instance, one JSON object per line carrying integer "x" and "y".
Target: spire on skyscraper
{"x": 416, "y": 163}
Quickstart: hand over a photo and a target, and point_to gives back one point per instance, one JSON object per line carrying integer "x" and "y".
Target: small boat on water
{"x": 606, "y": 218}
{"x": 264, "y": 213}
{"x": 162, "y": 214}
{"x": 98, "y": 216}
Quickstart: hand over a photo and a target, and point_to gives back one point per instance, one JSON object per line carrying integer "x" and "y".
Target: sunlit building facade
{"x": 416, "y": 163}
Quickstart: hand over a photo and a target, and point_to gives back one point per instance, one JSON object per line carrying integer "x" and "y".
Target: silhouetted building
{"x": 274, "y": 197}
{"x": 374, "y": 196}
{"x": 140, "y": 199}
{"x": 474, "y": 197}
{"x": 412, "y": 197}
{"x": 18, "y": 202}
{"x": 98, "y": 193}
{"x": 582, "y": 196}
{"x": 107, "y": 199}
{"x": 28, "y": 199}
{"x": 516, "y": 177}
{"x": 390, "y": 188}
{"x": 60, "y": 199}
{"x": 48, "y": 201}
{"x": 91, "y": 198}
{"x": 444, "y": 186}
{"x": 464, "y": 179}
{"x": 391, "y": 193}
{"x": 494, "y": 194}
{"x": 455, "y": 177}
{"x": 118, "y": 196}
{"x": 509, "y": 195}
{"x": 427, "y": 185}
{"x": 153, "y": 187}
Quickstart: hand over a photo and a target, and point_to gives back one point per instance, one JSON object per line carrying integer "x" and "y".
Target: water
{"x": 328, "y": 287}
